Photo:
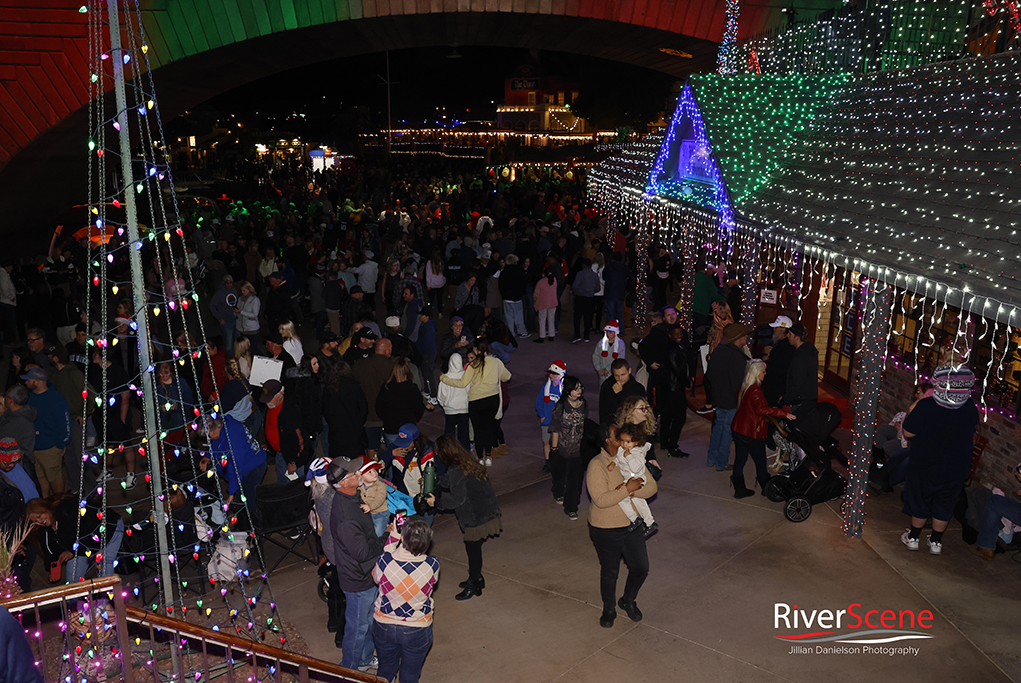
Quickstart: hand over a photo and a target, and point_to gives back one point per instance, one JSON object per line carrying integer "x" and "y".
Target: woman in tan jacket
{"x": 608, "y": 529}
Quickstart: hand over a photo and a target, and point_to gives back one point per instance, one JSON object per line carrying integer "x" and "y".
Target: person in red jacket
{"x": 749, "y": 428}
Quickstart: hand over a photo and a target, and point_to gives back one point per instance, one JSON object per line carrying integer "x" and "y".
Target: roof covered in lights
{"x": 914, "y": 170}
{"x": 629, "y": 167}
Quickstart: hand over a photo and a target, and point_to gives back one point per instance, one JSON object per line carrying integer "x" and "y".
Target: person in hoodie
{"x": 454, "y": 401}
{"x": 237, "y": 457}
{"x": 223, "y": 305}
{"x": 546, "y": 400}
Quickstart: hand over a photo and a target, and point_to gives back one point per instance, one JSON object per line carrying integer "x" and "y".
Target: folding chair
{"x": 284, "y": 510}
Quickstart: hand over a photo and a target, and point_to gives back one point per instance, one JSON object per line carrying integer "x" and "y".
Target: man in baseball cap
{"x": 356, "y": 547}
{"x": 778, "y": 361}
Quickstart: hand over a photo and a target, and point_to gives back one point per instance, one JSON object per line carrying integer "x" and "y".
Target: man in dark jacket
{"x": 674, "y": 404}
{"x": 653, "y": 351}
{"x": 584, "y": 288}
{"x": 615, "y": 388}
{"x": 372, "y": 373}
{"x": 779, "y": 362}
{"x": 356, "y": 549}
{"x": 354, "y": 308}
{"x": 512, "y": 283}
{"x": 802, "y": 391}
{"x": 278, "y": 300}
{"x": 615, "y": 277}
{"x": 726, "y": 373}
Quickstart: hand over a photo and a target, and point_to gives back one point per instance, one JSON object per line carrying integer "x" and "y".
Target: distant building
{"x": 535, "y": 102}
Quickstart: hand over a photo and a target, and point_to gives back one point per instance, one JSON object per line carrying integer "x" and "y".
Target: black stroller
{"x": 805, "y": 449}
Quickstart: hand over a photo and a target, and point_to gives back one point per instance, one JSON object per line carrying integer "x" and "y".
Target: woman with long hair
{"x": 566, "y": 429}
{"x": 292, "y": 343}
{"x": 637, "y": 411}
{"x": 749, "y": 429}
{"x": 399, "y": 401}
{"x": 66, "y": 539}
{"x": 482, "y": 377}
{"x": 19, "y": 358}
{"x": 545, "y": 299}
{"x": 470, "y": 495}
{"x": 243, "y": 353}
{"x": 345, "y": 410}
{"x": 308, "y": 391}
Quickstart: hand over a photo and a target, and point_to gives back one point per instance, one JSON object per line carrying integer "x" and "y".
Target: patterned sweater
{"x": 406, "y": 583}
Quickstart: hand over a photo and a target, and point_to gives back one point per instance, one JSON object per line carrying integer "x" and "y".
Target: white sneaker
{"x": 374, "y": 664}
{"x": 524, "y": 336}
{"x": 911, "y": 543}
{"x": 934, "y": 548}
{"x": 90, "y": 442}
{"x": 129, "y": 481}
{"x": 489, "y": 462}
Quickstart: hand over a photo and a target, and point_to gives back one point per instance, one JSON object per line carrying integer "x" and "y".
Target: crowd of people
{"x": 338, "y": 310}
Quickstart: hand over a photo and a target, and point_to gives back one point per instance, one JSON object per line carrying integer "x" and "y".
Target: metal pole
{"x": 138, "y": 293}
{"x": 389, "y": 119}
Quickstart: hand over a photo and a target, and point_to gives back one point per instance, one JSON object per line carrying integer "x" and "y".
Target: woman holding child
{"x": 612, "y": 532}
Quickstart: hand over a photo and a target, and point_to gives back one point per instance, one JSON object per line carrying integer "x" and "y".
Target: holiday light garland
{"x": 169, "y": 306}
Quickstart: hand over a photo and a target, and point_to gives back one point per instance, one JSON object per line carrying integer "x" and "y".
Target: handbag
{"x": 655, "y": 470}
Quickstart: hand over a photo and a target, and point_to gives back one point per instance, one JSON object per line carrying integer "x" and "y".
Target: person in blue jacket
{"x": 545, "y": 400}
{"x": 237, "y": 457}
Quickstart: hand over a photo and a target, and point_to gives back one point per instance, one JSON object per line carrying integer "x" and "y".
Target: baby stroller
{"x": 804, "y": 450}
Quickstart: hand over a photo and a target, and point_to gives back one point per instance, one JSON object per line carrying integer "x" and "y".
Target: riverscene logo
{"x": 851, "y": 631}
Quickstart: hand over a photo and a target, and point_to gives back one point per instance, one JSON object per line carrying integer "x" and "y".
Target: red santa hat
{"x": 612, "y": 326}
{"x": 558, "y": 367}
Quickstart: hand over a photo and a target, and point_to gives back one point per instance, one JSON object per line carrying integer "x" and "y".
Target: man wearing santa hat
{"x": 609, "y": 349}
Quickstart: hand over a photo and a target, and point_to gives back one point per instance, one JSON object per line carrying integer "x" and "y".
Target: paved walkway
{"x": 719, "y": 566}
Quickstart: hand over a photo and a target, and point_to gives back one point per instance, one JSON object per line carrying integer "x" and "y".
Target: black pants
{"x": 612, "y": 545}
{"x": 474, "y": 551}
{"x": 483, "y": 416}
{"x": 582, "y": 317}
{"x": 745, "y": 446}
{"x": 673, "y": 413}
{"x": 567, "y": 475}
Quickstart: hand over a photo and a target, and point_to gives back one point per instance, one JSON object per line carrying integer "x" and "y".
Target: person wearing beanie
{"x": 609, "y": 349}
{"x": 941, "y": 431}
{"x": 13, "y": 480}
{"x": 545, "y": 400}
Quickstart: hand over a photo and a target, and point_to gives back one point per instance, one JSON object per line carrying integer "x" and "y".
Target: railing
{"x": 135, "y": 645}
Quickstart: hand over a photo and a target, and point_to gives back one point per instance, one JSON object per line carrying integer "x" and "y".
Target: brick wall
{"x": 1002, "y": 452}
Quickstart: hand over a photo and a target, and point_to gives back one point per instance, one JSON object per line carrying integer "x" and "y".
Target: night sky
{"x": 345, "y": 96}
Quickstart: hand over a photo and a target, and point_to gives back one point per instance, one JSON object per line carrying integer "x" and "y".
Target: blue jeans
{"x": 380, "y": 520}
{"x": 401, "y": 649}
{"x": 357, "y": 644}
{"x": 514, "y": 314}
{"x": 996, "y": 507}
{"x": 230, "y": 335}
{"x": 281, "y": 467}
{"x": 77, "y": 566}
{"x": 614, "y": 310}
{"x": 719, "y": 441}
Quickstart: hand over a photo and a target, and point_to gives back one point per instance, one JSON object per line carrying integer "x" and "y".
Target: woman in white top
{"x": 248, "y": 313}
{"x": 292, "y": 344}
